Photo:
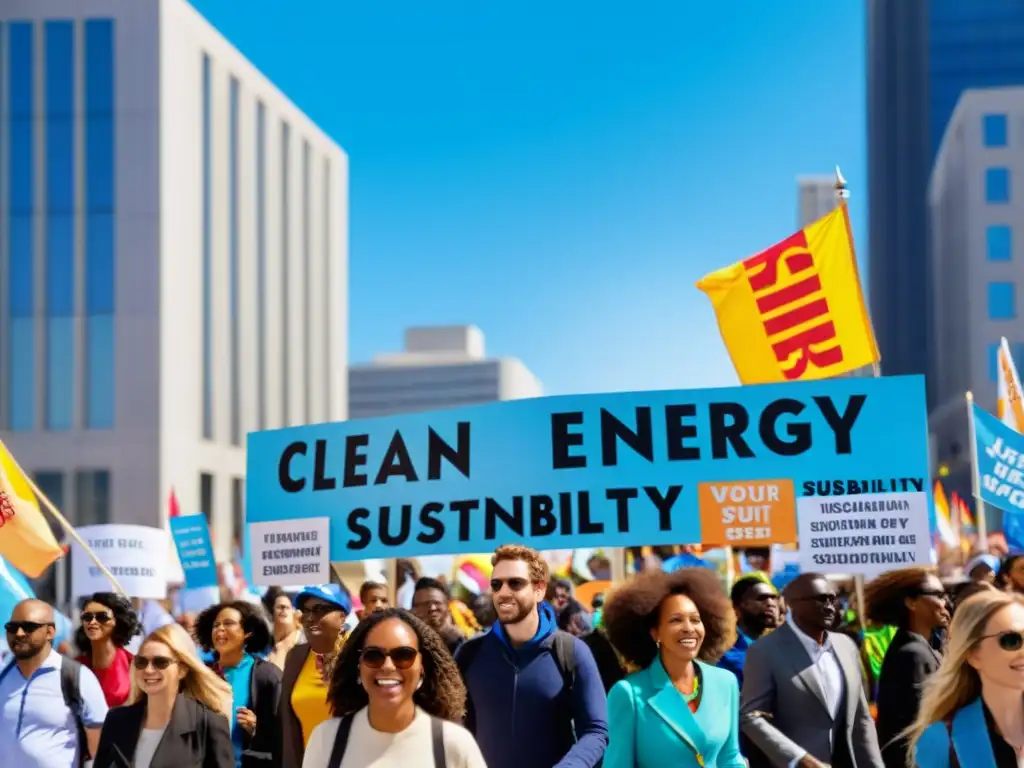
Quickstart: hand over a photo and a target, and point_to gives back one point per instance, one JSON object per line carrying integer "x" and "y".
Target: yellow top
{"x": 309, "y": 698}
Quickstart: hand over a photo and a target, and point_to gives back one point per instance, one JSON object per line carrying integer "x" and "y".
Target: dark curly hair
{"x": 126, "y": 621}
{"x": 443, "y": 693}
{"x": 631, "y": 612}
{"x": 253, "y": 624}
{"x": 884, "y": 595}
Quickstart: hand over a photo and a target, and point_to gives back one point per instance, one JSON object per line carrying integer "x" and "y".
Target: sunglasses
{"x": 821, "y": 599}
{"x": 28, "y": 627}
{"x": 1009, "y": 641}
{"x": 515, "y": 584}
{"x": 317, "y": 612}
{"x": 159, "y": 663}
{"x": 403, "y": 657}
{"x": 99, "y": 618}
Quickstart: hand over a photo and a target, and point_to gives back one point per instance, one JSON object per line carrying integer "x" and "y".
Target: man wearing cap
{"x": 303, "y": 687}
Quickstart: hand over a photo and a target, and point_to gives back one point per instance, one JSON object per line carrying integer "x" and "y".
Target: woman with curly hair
{"x": 396, "y": 695}
{"x": 914, "y": 601}
{"x": 236, "y": 632}
{"x": 108, "y": 625}
{"x": 679, "y": 709}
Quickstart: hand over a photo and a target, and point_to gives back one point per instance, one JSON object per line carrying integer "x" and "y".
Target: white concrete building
{"x": 441, "y": 367}
{"x": 976, "y": 210}
{"x": 816, "y": 196}
{"x": 173, "y": 260}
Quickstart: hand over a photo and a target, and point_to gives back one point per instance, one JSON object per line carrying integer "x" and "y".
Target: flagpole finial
{"x": 969, "y": 396}
{"x": 841, "y": 187}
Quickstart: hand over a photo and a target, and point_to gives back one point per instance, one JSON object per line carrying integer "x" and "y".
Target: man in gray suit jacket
{"x": 803, "y": 702}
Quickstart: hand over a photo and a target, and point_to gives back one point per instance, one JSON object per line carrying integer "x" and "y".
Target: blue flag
{"x": 999, "y": 452}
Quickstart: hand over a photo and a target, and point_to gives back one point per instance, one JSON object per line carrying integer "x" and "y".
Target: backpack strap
{"x": 70, "y": 672}
{"x": 340, "y": 742}
{"x": 437, "y": 741}
{"x": 563, "y": 648}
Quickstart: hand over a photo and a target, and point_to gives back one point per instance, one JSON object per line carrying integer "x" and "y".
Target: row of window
{"x": 207, "y": 499}
{"x": 45, "y": 339}
{"x": 84, "y": 496}
{"x": 280, "y": 282}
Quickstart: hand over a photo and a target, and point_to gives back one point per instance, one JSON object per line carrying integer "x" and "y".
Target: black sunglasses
{"x": 516, "y": 584}
{"x": 99, "y": 618}
{"x": 821, "y": 599}
{"x": 403, "y": 657}
{"x": 1008, "y": 641}
{"x": 317, "y": 612}
{"x": 160, "y": 663}
{"x": 28, "y": 627}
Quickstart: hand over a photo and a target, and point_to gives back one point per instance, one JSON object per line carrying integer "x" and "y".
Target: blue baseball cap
{"x": 329, "y": 593}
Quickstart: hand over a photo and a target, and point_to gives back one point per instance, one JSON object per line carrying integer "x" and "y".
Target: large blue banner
{"x": 1000, "y": 456}
{"x": 584, "y": 471}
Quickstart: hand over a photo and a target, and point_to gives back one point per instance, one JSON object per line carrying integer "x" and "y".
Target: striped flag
{"x": 943, "y": 520}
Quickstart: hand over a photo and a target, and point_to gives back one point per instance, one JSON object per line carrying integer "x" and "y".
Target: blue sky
{"x": 560, "y": 174}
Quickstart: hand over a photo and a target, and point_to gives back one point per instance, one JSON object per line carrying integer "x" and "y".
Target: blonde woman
{"x": 176, "y": 712}
{"x": 972, "y": 709}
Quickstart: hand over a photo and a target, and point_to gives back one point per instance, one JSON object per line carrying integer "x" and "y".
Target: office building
{"x": 976, "y": 212}
{"x": 816, "y": 197}
{"x": 441, "y": 367}
{"x": 922, "y": 54}
{"x": 173, "y": 260}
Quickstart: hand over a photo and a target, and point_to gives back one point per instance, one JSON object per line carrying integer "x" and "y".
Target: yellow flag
{"x": 26, "y": 540}
{"x": 1009, "y": 407}
{"x": 795, "y": 311}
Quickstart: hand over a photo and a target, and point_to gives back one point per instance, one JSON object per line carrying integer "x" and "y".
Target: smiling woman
{"x": 108, "y": 624}
{"x": 396, "y": 695}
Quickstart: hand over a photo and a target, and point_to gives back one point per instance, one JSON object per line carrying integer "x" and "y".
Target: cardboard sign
{"x": 135, "y": 555}
{"x": 571, "y": 472}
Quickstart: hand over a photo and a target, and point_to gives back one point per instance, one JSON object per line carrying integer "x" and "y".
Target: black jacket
{"x": 195, "y": 737}
{"x": 909, "y": 661}
{"x": 263, "y": 748}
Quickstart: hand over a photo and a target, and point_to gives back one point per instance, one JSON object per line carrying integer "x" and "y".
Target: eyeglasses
{"x": 99, "y": 618}
{"x": 159, "y": 663}
{"x": 27, "y": 627}
{"x": 515, "y": 584}
{"x": 1011, "y": 641}
{"x": 403, "y": 657}
{"x": 317, "y": 612}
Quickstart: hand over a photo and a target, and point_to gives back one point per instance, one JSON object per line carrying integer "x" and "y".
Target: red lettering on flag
{"x": 6, "y": 509}
{"x": 799, "y": 261}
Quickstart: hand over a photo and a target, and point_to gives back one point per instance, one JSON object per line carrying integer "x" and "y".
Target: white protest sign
{"x": 295, "y": 552}
{"x": 135, "y": 555}
{"x": 863, "y": 534}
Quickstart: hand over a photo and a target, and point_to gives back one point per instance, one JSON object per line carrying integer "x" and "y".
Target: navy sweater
{"x": 519, "y": 718}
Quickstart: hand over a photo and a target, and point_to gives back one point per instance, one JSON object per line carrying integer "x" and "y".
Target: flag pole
{"x": 842, "y": 195}
{"x": 69, "y": 529}
{"x": 979, "y": 505}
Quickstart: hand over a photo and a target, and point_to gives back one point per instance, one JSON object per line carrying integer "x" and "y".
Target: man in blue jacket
{"x": 535, "y": 694}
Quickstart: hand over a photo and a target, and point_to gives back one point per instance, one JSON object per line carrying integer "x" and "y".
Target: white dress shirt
{"x": 826, "y": 666}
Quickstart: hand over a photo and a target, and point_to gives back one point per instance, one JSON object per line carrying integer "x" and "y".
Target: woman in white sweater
{"x": 397, "y": 696}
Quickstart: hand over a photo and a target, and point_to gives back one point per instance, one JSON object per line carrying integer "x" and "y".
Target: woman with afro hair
{"x": 914, "y": 601}
{"x": 396, "y": 696}
{"x": 108, "y": 624}
{"x": 679, "y": 709}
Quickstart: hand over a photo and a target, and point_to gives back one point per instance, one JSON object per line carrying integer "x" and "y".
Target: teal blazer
{"x": 651, "y": 726}
{"x": 971, "y": 739}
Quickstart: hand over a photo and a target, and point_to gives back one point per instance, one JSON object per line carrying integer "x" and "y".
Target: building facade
{"x": 922, "y": 54}
{"x": 976, "y": 212}
{"x": 173, "y": 260}
{"x": 441, "y": 367}
{"x": 816, "y": 197}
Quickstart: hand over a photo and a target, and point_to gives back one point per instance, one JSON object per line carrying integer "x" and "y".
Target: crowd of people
{"x": 667, "y": 669}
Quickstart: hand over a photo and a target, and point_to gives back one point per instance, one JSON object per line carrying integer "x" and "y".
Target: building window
{"x": 59, "y": 223}
{"x": 233, "y": 262}
{"x": 993, "y": 361}
{"x": 20, "y": 360}
{"x": 261, "y": 266}
{"x": 207, "y": 250}
{"x": 285, "y": 254}
{"x": 997, "y": 185}
{"x": 92, "y": 497}
{"x": 100, "y": 279}
{"x": 307, "y": 287}
{"x": 328, "y": 301}
{"x": 993, "y": 128}
{"x": 51, "y": 483}
{"x": 206, "y": 496}
{"x": 238, "y": 512}
{"x": 1002, "y": 301}
{"x": 999, "y": 242}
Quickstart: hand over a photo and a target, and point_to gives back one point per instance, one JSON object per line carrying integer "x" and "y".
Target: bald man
{"x": 47, "y": 703}
{"x": 803, "y": 703}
